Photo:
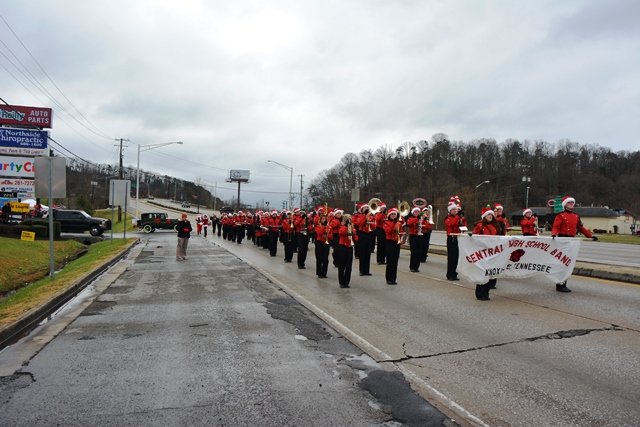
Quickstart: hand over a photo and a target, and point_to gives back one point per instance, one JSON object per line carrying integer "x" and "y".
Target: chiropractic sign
{"x": 23, "y": 141}
{"x": 516, "y": 257}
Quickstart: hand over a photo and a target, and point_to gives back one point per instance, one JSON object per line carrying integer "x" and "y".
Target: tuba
{"x": 404, "y": 209}
{"x": 430, "y": 209}
{"x": 374, "y": 205}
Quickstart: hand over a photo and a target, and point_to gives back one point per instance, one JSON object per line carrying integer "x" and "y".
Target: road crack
{"x": 550, "y": 336}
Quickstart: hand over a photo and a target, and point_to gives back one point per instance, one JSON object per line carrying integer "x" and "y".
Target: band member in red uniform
{"x": 567, "y": 224}
{"x": 393, "y": 229}
{"x": 415, "y": 246}
{"x": 344, "y": 251}
{"x": 381, "y": 238}
{"x": 205, "y": 224}
{"x": 528, "y": 223}
{"x": 240, "y": 224}
{"x": 199, "y": 224}
{"x": 489, "y": 226}
{"x": 335, "y": 223}
{"x": 288, "y": 240}
{"x": 497, "y": 209}
{"x": 323, "y": 246}
{"x": 427, "y": 227}
{"x": 273, "y": 224}
{"x": 303, "y": 225}
{"x": 452, "y": 224}
{"x": 250, "y": 220}
{"x": 366, "y": 225}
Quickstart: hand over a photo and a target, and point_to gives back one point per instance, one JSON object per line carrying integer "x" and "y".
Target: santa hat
{"x": 362, "y": 207}
{"x": 567, "y": 199}
{"x": 382, "y": 206}
{"x": 425, "y": 209}
{"x": 524, "y": 212}
{"x": 295, "y": 210}
{"x": 415, "y": 209}
{"x": 184, "y": 216}
{"x": 487, "y": 211}
{"x": 274, "y": 212}
{"x": 320, "y": 208}
{"x": 392, "y": 211}
{"x": 337, "y": 211}
{"x": 454, "y": 199}
{"x": 497, "y": 206}
{"x": 240, "y": 213}
{"x": 451, "y": 206}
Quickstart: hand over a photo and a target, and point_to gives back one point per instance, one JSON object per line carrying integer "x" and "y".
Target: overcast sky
{"x": 305, "y": 82}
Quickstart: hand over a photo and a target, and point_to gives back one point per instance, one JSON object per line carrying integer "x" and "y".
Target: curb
{"x": 14, "y": 331}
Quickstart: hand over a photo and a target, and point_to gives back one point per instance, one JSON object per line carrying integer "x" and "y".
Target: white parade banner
{"x": 516, "y": 257}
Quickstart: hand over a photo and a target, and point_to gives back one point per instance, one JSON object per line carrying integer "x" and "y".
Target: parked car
{"x": 73, "y": 221}
{"x": 151, "y": 198}
{"x": 150, "y": 222}
{"x": 186, "y": 204}
{"x": 226, "y": 210}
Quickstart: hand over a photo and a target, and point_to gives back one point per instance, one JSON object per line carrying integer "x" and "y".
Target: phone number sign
{"x": 24, "y": 188}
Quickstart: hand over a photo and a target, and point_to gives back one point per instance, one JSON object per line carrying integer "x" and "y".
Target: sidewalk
{"x": 206, "y": 341}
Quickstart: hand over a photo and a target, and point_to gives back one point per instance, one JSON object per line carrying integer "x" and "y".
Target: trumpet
{"x": 430, "y": 209}
{"x": 346, "y": 219}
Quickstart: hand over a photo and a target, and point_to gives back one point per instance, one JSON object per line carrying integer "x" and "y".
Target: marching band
{"x": 371, "y": 229}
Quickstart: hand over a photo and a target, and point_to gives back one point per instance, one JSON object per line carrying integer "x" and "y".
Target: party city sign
{"x": 22, "y": 167}
{"x": 23, "y": 141}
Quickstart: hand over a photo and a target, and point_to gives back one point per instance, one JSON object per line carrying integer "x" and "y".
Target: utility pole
{"x": 301, "y": 207}
{"x": 120, "y": 176}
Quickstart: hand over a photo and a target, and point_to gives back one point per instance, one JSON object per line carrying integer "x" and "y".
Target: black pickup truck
{"x": 79, "y": 221}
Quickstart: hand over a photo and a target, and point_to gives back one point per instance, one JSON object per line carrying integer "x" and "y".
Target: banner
{"x": 516, "y": 257}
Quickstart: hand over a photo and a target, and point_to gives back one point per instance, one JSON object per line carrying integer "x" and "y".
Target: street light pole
{"x": 140, "y": 149}
{"x": 290, "y": 169}
{"x": 483, "y": 182}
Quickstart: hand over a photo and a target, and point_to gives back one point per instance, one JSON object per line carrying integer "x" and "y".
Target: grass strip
{"x": 24, "y": 299}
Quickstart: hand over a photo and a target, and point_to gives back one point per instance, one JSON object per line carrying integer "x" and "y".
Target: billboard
{"x": 236, "y": 175}
{"x": 30, "y": 142}
{"x": 22, "y": 167}
{"x": 25, "y": 116}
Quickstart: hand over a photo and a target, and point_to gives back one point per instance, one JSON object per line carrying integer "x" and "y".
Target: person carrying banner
{"x": 529, "y": 223}
{"x": 488, "y": 226}
{"x": 497, "y": 209}
{"x": 567, "y": 224}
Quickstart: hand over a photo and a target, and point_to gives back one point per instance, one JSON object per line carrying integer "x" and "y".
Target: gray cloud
{"x": 303, "y": 83}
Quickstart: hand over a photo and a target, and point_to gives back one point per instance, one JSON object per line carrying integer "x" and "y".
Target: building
{"x": 599, "y": 220}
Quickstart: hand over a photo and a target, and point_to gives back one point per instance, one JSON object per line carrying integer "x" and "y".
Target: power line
{"x": 99, "y": 132}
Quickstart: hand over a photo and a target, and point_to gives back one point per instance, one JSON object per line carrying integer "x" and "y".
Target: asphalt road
{"x": 530, "y": 356}
{"x": 209, "y": 341}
